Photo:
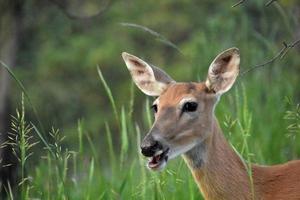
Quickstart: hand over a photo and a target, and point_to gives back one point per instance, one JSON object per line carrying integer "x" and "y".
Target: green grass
{"x": 106, "y": 163}
{"x": 120, "y": 172}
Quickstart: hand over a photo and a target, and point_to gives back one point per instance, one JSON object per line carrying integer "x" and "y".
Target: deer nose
{"x": 150, "y": 148}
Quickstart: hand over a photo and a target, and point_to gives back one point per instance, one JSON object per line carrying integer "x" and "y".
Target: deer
{"x": 185, "y": 124}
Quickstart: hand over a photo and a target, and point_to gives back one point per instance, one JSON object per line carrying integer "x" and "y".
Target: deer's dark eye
{"x": 154, "y": 108}
{"x": 189, "y": 107}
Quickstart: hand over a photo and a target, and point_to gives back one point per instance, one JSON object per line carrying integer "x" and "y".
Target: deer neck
{"x": 218, "y": 170}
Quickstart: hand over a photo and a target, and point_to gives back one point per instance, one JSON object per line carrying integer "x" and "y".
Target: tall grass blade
{"x": 148, "y": 113}
{"x": 124, "y": 136}
{"x": 10, "y": 192}
{"x": 109, "y": 94}
{"x": 21, "y": 86}
{"x": 43, "y": 140}
{"x": 80, "y": 133}
{"x": 131, "y": 101}
{"x": 142, "y": 163}
{"x": 93, "y": 148}
{"x": 110, "y": 146}
{"x": 91, "y": 175}
{"x": 245, "y": 127}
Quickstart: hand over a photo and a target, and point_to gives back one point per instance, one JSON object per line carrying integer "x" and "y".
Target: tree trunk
{"x": 10, "y": 25}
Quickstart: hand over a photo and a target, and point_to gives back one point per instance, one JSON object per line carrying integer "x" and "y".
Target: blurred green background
{"x": 54, "y": 47}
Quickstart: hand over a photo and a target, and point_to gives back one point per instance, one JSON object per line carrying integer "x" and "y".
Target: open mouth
{"x": 159, "y": 160}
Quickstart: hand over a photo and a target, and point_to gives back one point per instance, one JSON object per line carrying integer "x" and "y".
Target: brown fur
{"x": 223, "y": 175}
{"x": 218, "y": 170}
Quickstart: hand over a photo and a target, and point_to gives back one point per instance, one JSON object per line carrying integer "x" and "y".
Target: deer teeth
{"x": 158, "y": 152}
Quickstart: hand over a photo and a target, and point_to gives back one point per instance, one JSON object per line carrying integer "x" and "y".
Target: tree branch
{"x": 279, "y": 55}
{"x": 238, "y": 3}
{"x": 160, "y": 37}
{"x": 63, "y": 7}
{"x": 242, "y": 1}
{"x": 270, "y": 2}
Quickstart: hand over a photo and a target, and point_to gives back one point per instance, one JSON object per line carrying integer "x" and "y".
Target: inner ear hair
{"x": 136, "y": 63}
{"x": 223, "y": 71}
{"x": 227, "y": 58}
{"x": 149, "y": 79}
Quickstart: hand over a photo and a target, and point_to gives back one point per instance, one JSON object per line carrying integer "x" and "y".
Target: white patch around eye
{"x": 187, "y": 99}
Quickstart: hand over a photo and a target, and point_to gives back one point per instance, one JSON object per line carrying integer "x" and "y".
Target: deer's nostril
{"x": 149, "y": 150}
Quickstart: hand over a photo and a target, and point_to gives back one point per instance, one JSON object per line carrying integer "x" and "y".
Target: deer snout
{"x": 150, "y": 146}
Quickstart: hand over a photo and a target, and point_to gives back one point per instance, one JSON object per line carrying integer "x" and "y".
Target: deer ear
{"x": 150, "y": 79}
{"x": 223, "y": 71}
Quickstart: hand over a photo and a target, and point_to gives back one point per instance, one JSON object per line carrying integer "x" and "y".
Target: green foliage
{"x": 82, "y": 175}
{"x": 99, "y": 156}
{"x": 293, "y": 116}
{"x": 20, "y": 141}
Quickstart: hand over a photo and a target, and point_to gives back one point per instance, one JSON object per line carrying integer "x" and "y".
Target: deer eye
{"x": 189, "y": 107}
{"x": 154, "y": 108}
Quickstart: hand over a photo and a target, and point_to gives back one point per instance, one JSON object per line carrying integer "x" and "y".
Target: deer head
{"x": 184, "y": 112}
